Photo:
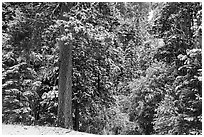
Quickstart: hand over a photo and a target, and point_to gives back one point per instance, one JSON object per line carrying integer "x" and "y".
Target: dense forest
{"x": 128, "y": 68}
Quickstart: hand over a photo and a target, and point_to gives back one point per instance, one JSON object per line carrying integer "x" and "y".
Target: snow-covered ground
{"x": 37, "y": 130}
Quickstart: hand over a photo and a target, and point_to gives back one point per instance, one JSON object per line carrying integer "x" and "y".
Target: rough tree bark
{"x": 65, "y": 79}
{"x": 65, "y": 86}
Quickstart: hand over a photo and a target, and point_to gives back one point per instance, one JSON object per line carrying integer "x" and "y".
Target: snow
{"x": 37, "y": 130}
{"x": 151, "y": 13}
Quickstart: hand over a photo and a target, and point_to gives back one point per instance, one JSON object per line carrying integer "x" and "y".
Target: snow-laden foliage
{"x": 131, "y": 74}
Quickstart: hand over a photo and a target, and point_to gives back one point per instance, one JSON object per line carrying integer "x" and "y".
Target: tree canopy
{"x": 133, "y": 67}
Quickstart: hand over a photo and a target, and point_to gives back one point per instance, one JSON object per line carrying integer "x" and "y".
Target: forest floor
{"x": 37, "y": 130}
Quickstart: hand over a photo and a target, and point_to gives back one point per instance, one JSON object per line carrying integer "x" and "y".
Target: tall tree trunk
{"x": 65, "y": 78}
{"x": 60, "y": 92}
{"x": 65, "y": 86}
{"x": 68, "y": 85}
